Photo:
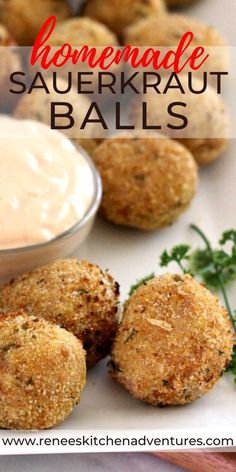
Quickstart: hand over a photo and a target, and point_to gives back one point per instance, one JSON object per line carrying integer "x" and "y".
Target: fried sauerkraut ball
{"x": 24, "y": 18}
{"x": 42, "y": 372}
{"x": 118, "y": 14}
{"x": 147, "y": 182}
{"x": 174, "y": 341}
{"x": 167, "y": 31}
{"x": 76, "y": 295}
{"x": 80, "y": 31}
{"x": 207, "y": 132}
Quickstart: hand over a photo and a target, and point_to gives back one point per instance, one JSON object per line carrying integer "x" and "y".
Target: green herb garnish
{"x": 179, "y": 254}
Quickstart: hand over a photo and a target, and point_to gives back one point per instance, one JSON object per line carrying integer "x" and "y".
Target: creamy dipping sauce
{"x": 46, "y": 184}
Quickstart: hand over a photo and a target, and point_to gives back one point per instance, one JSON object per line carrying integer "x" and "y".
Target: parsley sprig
{"x": 179, "y": 254}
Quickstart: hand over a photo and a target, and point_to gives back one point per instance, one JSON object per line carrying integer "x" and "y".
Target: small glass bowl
{"x": 18, "y": 260}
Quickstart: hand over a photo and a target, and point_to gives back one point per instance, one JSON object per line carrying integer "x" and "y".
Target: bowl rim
{"x": 90, "y": 213}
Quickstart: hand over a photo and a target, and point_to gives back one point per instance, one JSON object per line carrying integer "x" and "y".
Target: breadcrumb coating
{"x": 167, "y": 30}
{"x": 174, "y": 341}
{"x": 76, "y": 295}
{"x": 118, "y": 14}
{"x": 24, "y": 19}
{"x": 42, "y": 372}
{"x": 80, "y": 31}
{"x": 147, "y": 182}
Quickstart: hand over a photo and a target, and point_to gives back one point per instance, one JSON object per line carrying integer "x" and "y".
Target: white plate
{"x": 130, "y": 255}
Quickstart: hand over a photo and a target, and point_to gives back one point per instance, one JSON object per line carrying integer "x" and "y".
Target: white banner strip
{"x": 57, "y": 441}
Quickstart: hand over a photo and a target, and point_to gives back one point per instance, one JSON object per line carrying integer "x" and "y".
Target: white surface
{"x": 130, "y": 255}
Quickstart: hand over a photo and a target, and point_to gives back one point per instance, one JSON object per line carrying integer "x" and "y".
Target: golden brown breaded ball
{"x": 208, "y": 130}
{"x": 74, "y": 294}
{"x": 80, "y": 31}
{"x": 85, "y": 31}
{"x": 24, "y": 18}
{"x": 37, "y": 106}
{"x": 42, "y": 372}
{"x": 180, "y": 3}
{"x": 167, "y": 30}
{"x": 118, "y": 14}
{"x": 147, "y": 182}
{"x": 174, "y": 341}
